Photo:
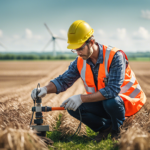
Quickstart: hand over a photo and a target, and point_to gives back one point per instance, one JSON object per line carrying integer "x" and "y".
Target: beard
{"x": 89, "y": 53}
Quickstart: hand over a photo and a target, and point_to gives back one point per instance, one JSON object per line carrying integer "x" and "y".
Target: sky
{"x": 124, "y": 24}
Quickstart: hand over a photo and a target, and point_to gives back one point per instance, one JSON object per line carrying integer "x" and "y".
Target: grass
{"x": 130, "y": 59}
{"x": 79, "y": 142}
{"x": 139, "y": 59}
{"x": 40, "y": 60}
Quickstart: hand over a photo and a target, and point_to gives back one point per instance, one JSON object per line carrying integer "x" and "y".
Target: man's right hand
{"x": 42, "y": 93}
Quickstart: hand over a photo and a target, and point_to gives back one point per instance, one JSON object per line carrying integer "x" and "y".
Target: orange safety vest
{"x": 131, "y": 92}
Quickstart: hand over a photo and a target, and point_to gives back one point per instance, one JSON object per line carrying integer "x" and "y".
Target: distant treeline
{"x": 67, "y": 56}
{"x": 137, "y": 54}
{"x": 34, "y": 57}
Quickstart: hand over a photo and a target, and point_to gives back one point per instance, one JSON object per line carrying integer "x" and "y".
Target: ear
{"x": 92, "y": 42}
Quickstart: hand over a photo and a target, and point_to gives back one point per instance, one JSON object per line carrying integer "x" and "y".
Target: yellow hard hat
{"x": 78, "y": 33}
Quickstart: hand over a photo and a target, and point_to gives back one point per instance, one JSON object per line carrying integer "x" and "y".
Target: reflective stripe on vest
{"x": 125, "y": 88}
{"x": 131, "y": 92}
{"x": 135, "y": 92}
{"x": 88, "y": 89}
{"x": 106, "y": 59}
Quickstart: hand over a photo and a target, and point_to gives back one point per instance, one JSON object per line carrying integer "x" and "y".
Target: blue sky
{"x": 123, "y": 24}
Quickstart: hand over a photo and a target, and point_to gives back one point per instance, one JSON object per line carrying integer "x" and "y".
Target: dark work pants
{"x": 100, "y": 115}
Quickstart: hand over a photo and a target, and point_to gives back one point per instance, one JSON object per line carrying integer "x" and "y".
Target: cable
{"x": 78, "y": 129}
{"x": 79, "y": 126}
{"x": 76, "y": 132}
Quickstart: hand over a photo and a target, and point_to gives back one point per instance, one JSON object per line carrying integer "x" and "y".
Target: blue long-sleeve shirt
{"x": 115, "y": 80}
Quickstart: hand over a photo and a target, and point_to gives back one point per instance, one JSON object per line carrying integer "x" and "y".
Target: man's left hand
{"x": 73, "y": 102}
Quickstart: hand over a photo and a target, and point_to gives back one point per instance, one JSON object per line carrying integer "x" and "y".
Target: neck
{"x": 95, "y": 54}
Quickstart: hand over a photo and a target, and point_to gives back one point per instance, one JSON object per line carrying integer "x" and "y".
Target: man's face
{"x": 86, "y": 52}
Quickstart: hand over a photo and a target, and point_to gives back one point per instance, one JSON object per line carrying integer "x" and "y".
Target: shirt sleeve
{"x": 64, "y": 81}
{"x": 116, "y": 76}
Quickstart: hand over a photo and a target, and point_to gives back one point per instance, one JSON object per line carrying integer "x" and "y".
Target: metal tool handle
{"x": 58, "y": 108}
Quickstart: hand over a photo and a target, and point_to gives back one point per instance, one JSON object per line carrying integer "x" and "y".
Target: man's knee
{"x": 73, "y": 113}
{"x": 113, "y": 103}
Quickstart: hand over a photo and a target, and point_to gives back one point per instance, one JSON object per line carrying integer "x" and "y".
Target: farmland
{"x": 19, "y": 78}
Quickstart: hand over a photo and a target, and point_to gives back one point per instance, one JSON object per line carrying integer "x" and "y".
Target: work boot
{"x": 102, "y": 134}
{"x": 115, "y": 134}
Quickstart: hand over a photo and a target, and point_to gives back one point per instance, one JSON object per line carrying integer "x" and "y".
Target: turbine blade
{"x": 48, "y": 29}
{"x": 47, "y": 45}
{"x": 3, "y": 46}
{"x": 60, "y": 38}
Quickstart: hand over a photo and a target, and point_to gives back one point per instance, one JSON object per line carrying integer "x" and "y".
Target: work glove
{"x": 42, "y": 93}
{"x": 73, "y": 102}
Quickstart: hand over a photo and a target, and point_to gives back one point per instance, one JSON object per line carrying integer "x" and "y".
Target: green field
{"x": 79, "y": 142}
{"x": 139, "y": 59}
{"x": 4, "y": 57}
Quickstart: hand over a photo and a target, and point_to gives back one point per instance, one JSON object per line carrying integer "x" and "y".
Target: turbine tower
{"x": 53, "y": 39}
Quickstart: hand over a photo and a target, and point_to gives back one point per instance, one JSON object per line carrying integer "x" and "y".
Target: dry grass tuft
{"x": 135, "y": 131}
{"x": 14, "y": 114}
{"x": 19, "y": 139}
{"x": 70, "y": 124}
{"x": 134, "y": 139}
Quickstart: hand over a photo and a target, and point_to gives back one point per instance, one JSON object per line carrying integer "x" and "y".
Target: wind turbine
{"x": 53, "y": 39}
{"x": 3, "y": 46}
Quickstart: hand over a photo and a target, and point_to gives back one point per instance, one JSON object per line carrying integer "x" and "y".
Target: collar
{"x": 100, "y": 56}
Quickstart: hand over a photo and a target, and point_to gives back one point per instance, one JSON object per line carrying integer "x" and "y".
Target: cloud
{"x": 1, "y": 33}
{"x": 101, "y": 32}
{"x": 137, "y": 40}
{"x": 38, "y": 37}
{"x": 28, "y": 33}
{"x": 16, "y": 36}
{"x": 142, "y": 33}
{"x": 145, "y": 14}
{"x": 63, "y": 32}
{"x": 121, "y": 33}
{"x": 125, "y": 40}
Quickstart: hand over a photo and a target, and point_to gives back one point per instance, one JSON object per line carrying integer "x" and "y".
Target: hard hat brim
{"x": 74, "y": 46}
